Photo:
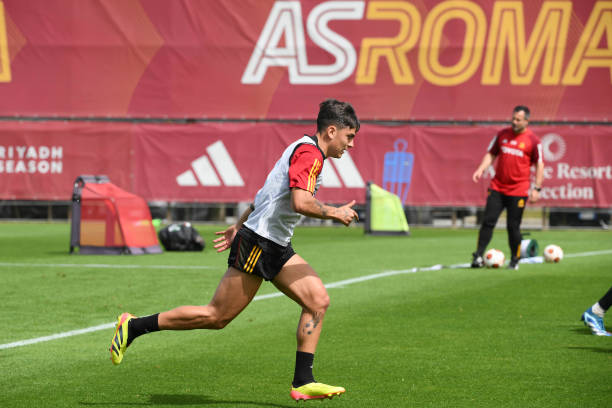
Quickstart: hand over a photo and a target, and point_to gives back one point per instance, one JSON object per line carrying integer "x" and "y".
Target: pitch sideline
{"x": 338, "y": 284}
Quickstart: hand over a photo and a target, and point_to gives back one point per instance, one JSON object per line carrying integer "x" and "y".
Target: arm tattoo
{"x": 322, "y": 208}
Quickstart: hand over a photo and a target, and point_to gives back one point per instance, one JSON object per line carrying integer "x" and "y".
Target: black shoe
{"x": 514, "y": 264}
{"x": 477, "y": 261}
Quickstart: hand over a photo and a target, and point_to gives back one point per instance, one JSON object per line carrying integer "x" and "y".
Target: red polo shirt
{"x": 515, "y": 155}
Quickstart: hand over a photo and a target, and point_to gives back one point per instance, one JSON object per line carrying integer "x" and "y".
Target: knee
{"x": 489, "y": 223}
{"x": 320, "y": 303}
{"x": 215, "y": 320}
{"x": 219, "y": 324}
{"x": 513, "y": 229}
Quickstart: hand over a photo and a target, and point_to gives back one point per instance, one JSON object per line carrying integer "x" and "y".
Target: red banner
{"x": 267, "y": 59}
{"x": 228, "y": 162}
{"x": 40, "y": 161}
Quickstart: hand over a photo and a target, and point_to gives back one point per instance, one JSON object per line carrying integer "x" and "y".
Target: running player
{"x": 516, "y": 149}
{"x": 260, "y": 248}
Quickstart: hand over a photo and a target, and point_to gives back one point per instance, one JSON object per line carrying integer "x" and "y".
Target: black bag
{"x": 181, "y": 237}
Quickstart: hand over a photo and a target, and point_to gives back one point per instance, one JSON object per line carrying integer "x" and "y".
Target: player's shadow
{"x": 583, "y": 331}
{"x": 184, "y": 400}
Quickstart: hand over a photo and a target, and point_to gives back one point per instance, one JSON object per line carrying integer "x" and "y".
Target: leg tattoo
{"x": 312, "y": 323}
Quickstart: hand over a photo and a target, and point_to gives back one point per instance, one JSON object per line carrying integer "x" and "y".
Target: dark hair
{"x": 334, "y": 112}
{"x": 523, "y": 108}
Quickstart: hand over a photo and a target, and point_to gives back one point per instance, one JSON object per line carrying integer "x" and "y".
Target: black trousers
{"x": 496, "y": 202}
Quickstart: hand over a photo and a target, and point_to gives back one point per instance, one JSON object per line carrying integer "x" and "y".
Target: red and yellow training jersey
{"x": 515, "y": 156}
{"x": 299, "y": 166}
{"x": 305, "y": 166}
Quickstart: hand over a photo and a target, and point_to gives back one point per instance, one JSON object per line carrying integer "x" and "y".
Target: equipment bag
{"x": 181, "y": 237}
{"x": 529, "y": 248}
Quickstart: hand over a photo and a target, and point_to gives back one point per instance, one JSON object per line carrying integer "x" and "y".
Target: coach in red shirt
{"x": 516, "y": 149}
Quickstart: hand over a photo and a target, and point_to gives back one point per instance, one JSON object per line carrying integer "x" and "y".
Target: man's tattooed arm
{"x": 321, "y": 208}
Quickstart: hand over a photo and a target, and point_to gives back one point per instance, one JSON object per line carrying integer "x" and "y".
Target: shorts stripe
{"x": 253, "y": 254}
{"x": 252, "y": 259}
{"x": 254, "y": 262}
{"x": 255, "y": 259}
{"x": 246, "y": 264}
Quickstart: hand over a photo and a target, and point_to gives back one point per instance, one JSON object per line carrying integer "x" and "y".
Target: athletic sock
{"x": 598, "y": 310}
{"x": 142, "y": 325}
{"x": 303, "y": 369}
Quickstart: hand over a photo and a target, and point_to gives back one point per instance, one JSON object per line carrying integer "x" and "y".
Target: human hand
{"x": 534, "y": 196}
{"x": 346, "y": 214}
{"x": 225, "y": 241}
{"x": 476, "y": 176}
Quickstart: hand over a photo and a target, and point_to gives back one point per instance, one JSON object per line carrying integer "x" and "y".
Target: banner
{"x": 229, "y": 162}
{"x": 438, "y": 60}
{"x": 41, "y": 160}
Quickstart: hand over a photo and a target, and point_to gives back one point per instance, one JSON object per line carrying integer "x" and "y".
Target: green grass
{"x": 447, "y": 338}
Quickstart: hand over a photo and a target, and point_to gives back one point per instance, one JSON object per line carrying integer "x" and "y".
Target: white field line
{"x": 592, "y": 253}
{"x": 338, "y": 284}
{"x": 260, "y": 297}
{"x": 57, "y": 336}
{"x": 109, "y": 266}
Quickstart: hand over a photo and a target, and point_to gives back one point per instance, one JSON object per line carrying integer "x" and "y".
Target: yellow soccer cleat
{"x": 120, "y": 339}
{"x": 315, "y": 390}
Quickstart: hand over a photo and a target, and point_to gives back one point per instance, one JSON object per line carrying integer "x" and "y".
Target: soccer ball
{"x": 494, "y": 258}
{"x": 553, "y": 253}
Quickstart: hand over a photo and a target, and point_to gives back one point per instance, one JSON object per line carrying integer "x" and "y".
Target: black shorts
{"x": 253, "y": 254}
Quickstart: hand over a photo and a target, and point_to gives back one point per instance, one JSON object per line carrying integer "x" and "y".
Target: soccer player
{"x": 260, "y": 248}
{"x": 516, "y": 149}
{"x": 593, "y": 316}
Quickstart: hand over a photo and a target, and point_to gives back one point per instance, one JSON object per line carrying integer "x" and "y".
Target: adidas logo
{"x": 336, "y": 172}
{"x": 203, "y": 173}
